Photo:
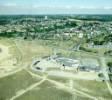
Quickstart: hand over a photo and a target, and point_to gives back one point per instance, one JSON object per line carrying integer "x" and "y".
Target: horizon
{"x": 34, "y": 7}
{"x": 53, "y": 14}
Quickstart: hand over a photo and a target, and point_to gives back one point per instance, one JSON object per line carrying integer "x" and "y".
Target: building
{"x": 90, "y": 65}
{"x": 46, "y": 17}
{"x": 68, "y": 64}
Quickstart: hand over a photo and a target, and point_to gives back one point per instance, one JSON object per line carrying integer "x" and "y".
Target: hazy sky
{"x": 55, "y": 6}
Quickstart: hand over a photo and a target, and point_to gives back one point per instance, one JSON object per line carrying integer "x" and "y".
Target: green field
{"x": 97, "y": 89}
{"x": 48, "y": 91}
{"x": 11, "y": 84}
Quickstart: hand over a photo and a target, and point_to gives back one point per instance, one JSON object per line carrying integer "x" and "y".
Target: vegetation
{"x": 109, "y": 64}
{"x": 88, "y": 50}
{"x": 108, "y": 53}
{"x": 37, "y": 27}
{"x": 92, "y": 86}
{"x": 13, "y": 83}
{"x": 48, "y": 91}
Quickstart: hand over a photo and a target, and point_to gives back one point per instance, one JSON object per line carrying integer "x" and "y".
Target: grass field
{"x": 11, "y": 84}
{"x": 32, "y": 49}
{"x": 48, "y": 91}
{"x": 95, "y": 88}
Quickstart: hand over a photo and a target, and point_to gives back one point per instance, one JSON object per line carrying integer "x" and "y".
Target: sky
{"x": 55, "y": 7}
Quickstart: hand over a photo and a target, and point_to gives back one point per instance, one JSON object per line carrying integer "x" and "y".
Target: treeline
{"x": 94, "y": 17}
{"x": 101, "y": 39}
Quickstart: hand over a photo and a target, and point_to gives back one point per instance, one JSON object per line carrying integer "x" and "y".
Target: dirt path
{"x": 11, "y": 73}
{"x": 27, "y": 89}
{"x": 61, "y": 85}
{"x": 18, "y": 47}
{"x": 14, "y": 71}
{"x": 66, "y": 88}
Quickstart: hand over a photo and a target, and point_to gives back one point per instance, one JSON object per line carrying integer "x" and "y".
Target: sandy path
{"x": 66, "y": 88}
{"x": 11, "y": 73}
{"x": 27, "y": 89}
{"x": 87, "y": 75}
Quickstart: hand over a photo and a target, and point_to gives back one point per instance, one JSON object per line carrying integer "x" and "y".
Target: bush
{"x": 87, "y": 50}
{"x": 108, "y": 53}
{"x": 101, "y": 75}
{"x": 97, "y": 42}
{"x": 109, "y": 64}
